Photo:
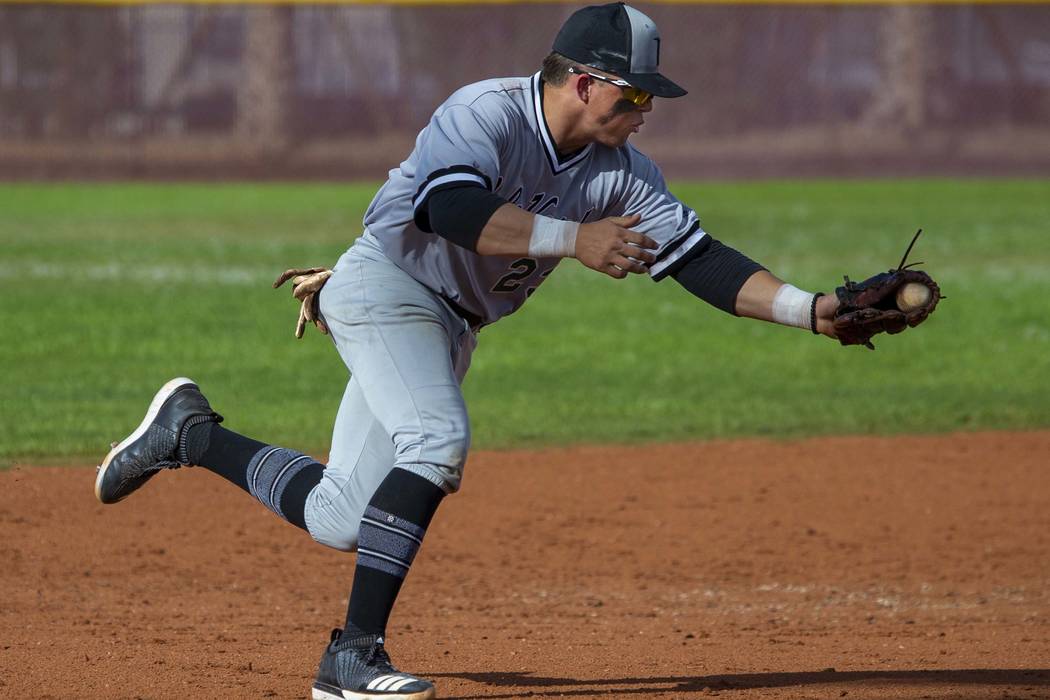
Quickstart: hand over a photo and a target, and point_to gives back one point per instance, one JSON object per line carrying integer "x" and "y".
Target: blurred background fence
{"x": 285, "y": 91}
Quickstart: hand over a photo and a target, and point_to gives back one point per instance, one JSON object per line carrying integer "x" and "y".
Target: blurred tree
{"x": 265, "y": 90}
{"x": 900, "y": 98}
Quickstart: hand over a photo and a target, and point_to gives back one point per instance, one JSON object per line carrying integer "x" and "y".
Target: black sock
{"x": 280, "y": 478}
{"x": 222, "y": 451}
{"x": 391, "y": 531}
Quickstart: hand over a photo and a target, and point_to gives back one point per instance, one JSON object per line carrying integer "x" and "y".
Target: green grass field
{"x": 107, "y": 291}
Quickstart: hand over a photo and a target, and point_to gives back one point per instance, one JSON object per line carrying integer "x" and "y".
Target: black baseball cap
{"x": 618, "y": 39}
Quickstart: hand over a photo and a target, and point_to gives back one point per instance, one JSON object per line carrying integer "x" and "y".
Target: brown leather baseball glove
{"x": 874, "y": 306}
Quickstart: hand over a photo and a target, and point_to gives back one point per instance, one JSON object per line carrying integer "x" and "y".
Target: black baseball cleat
{"x": 360, "y": 669}
{"x": 158, "y": 443}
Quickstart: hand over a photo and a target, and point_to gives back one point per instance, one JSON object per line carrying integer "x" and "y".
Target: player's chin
{"x": 618, "y": 139}
{"x": 626, "y": 132}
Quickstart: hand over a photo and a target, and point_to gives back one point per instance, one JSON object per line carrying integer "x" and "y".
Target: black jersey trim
{"x": 465, "y": 173}
{"x": 677, "y": 249}
{"x": 557, "y": 163}
{"x": 676, "y": 243}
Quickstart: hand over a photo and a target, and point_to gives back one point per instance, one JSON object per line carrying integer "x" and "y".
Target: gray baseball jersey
{"x": 493, "y": 134}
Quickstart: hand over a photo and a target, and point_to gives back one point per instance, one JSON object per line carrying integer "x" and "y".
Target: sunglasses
{"x": 631, "y": 94}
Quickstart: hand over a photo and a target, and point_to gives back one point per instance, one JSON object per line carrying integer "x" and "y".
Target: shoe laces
{"x": 368, "y": 648}
{"x": 377, "y": 656}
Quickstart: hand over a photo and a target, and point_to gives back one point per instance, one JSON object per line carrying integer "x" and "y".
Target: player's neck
{"x": 562, "y": 122}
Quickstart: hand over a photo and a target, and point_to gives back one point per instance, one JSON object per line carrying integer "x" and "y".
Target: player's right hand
{"x": 610, "y": 246}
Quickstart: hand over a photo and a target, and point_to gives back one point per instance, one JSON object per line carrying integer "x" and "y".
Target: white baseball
{"x": 912, "y": 296}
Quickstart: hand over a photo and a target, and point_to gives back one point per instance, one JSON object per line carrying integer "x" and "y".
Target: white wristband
{"x": 553, "y": 238}
{"x": 791, "y": 306}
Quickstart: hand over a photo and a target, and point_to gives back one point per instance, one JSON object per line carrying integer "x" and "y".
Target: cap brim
{"x": 654, "y": 83}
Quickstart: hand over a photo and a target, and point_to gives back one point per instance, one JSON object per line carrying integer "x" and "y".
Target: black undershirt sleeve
{"x": 715, "y": 273}
{"x": 459, "y": 214}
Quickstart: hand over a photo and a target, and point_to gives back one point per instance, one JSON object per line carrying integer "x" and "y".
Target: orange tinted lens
{"x": 639, "y": 97}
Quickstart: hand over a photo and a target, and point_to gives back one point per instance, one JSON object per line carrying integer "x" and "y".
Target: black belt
{"x": 472, "y": 319}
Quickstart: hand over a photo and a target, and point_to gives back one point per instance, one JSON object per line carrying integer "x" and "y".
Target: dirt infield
{"x": 912, "y": 567}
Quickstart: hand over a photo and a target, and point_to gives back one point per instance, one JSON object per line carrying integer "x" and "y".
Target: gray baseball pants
{"x": 407, "y": 353}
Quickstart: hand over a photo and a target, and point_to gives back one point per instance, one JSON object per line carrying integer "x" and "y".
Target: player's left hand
{"x": 306, "y": 284}
{"x": 827, "y": 305}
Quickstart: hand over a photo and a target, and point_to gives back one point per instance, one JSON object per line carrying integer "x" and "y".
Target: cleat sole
{"x": 323, "y": 691}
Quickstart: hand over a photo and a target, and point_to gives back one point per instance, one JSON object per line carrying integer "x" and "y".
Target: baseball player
{"x": 510, "y": 176}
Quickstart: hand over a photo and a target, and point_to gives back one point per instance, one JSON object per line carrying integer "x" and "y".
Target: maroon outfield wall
{"x": 340, "y": 91}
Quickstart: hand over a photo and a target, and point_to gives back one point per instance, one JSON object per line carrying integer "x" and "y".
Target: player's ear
{"x": 582, "y": 85}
